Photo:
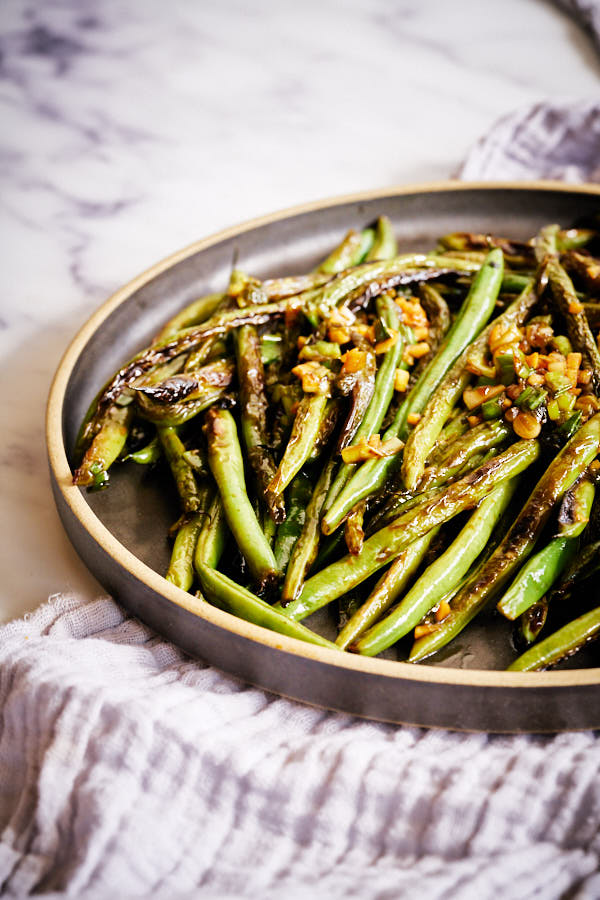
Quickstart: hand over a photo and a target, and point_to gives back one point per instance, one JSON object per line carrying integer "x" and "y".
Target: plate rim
{"x": 73, "y": 497}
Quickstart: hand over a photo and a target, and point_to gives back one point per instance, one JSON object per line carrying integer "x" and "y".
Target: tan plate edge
{"x": 74, "y": 498}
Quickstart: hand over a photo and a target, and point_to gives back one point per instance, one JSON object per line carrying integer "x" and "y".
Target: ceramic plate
{"x": 121, "y": 533}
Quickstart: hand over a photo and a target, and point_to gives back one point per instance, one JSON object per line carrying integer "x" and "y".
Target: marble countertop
{"x": 130, "y": 130}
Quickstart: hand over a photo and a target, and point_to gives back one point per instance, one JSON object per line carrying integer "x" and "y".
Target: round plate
{"x": 121, "y": 533}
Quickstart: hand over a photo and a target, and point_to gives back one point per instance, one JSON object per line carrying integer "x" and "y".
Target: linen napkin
{"x": 586, "y": 13}
{"x": 130, "y": 770}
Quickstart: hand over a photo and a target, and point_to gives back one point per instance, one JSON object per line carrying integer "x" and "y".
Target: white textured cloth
{"x": 587, "y": 13}
{"x": 129, "y": 770}
{"x": 126, "y": 769}
{"x": 549, "y": 140}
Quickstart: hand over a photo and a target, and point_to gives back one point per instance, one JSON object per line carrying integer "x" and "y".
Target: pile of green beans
{"x": 402, "y": 440}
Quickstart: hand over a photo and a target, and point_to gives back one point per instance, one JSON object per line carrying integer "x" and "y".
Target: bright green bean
{"x": 537, "y": 576}
{"x": 475, "y": 312}
{"x": 442, "y": 575}
{"x": 562, "y": 643}
{"x": 228, "y": 595}
{"x": 213, "y": 535}
{"x": 289, "y": 531}
{"x": 227, "y": 466}
{"x": 344, "y": 575}
{"x": 387, "y": 590}
{"x": 306, "y": 547}
{"x": 382, "y": 394}
{"x": 194, "y": 314}
{"x": 183, "y": 473}
{"x": 105, "y": 448}
{"x": 305, "y": 431}
{"x": 384, "y": 245}
{"x": 518, "y": 544}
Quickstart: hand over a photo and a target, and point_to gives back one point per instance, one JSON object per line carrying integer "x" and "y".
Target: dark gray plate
{"x": 120, "y": 533}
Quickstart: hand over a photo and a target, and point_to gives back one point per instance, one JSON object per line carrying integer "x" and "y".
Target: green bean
{"x": 181, "y": 568}
{"x": 585, "y": 267}
{"x": 213, "y": 535}
{"x": 544, "y": 569}
{"x": 239, "y": 351}
{"x": 537, "y": 576}
{"x": 438, "y": 315}
{"x": 228, "y": 595}
{"x": 210, "y": 349}
{"x": 270, "y": 348}
{"x": 386, "y": 544}
{"x": 306, "y": 547}
{"x": 328, "y": 424}
{"x": 474, "y": 313}
{"x": 198, "y": 460}
{"x": 387, "y": 590}
{"x": 373, "y": 474}
{"x": 400, "y": 502}
{"x": 384, "y": 381}
{"x": 348, "y": 254}
{"x": 517, "y": 545}
{"x": 246, "y": 290}
{"x": 574, "y": 238}
{"x": 384, "y": 245}
{"x": 474, "y": 462}
{"x": 518, "y": 252}
{"x": 194, "y": 314}
{"x": 185, "y": 341}
{"x": 585, "y": 564}
{"x": 515, "y": 283}
{"x": 290, "y": 285}
{"x": 592, "y": 314}
{"x": 364, "y": 386}
{"x": 368, "y": 478}
{"x": 545, "y": 244}
{"x": 576, "y": 508}
{"x": 105, "y": 448}
{"x": 439, "y": 406}
{"x": 442, "y": 575}
{"x": 147, "y": 455}
{"x": 183, "y": 473}
{"x": 353, "y": 531}
{"x": 227, "y": 466}
{"x": 532, "y": 621}
{"x": 269, "y": 528}
{"x": 179, "y": 398}
{"x": 347, "y": 491}
{"x": 319, "y": 302}
{"x": 480, "y": 438}
{"x": 289, "y": 531}
{"x": 571, "y": 309}
{"x": 562, "y": 643}
{"x": 565, "y": 297}
{"x": 305, "y": 430}
{"x": 452, "y": 430}
{"x": 181, "y": 565}
{"x": 367, "y": 237}
{"x": 381, "y": 395}
{"x": 253, "y": 414}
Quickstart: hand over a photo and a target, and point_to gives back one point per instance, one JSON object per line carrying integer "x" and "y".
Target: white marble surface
{"x": 130, "y": 129}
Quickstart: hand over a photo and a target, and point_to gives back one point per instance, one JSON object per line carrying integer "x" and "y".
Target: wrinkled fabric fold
{"x": 125, "y": 763}
{"x": 555, "y": 141}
